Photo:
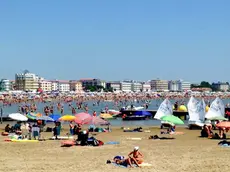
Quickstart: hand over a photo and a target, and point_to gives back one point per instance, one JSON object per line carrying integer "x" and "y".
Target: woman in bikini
{"x": 135, "y": 157}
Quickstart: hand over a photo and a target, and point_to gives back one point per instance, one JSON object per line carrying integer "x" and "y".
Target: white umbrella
{"x": 18, "y": 117}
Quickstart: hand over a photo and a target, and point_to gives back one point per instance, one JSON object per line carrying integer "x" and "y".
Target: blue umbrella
{"x": 143, "y": 113}
{"x": 55, "y": 117}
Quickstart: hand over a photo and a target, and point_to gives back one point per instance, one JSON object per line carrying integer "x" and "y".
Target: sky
{"x": 116, "y": 39}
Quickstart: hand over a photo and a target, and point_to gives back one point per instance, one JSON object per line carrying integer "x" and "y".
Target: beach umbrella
{"x": 81, "y": 117}
{"x": 224, "y": 124}
{"x": 172, "y": 119}
{"x": 95, "y": 120}
{"x": 142, "y": 113}
{"x": 218, "y": 118}
{"x": 31, "y": 116}
{"x": 45, "y": 118}
{"x": 67, "y": 118}
{"x": 18, "y": 117}
{"x": 55, "y": 117}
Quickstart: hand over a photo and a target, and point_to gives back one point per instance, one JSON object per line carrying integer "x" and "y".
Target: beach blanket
{"x": 134, "y": 138}
{"x": 141, "y": 165}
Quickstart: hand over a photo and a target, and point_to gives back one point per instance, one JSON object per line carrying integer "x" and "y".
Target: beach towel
{"x": 127, "y": 166}
{"x": 112, "y": 143}
{"x": 134, "y": 138}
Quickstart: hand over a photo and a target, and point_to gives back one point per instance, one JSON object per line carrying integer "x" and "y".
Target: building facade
{"x": 159, "y": 85}
{"x": 136, "y": 87}
{"x": 175, "y": 85}
{"x": 63, "y": 86}
{"x": 146, "y": 87}
{"x": 75, "y": 86}
{"x": 26, "y": 82}
{"x": 185, "y": 86}
{"x": 92, "y": 82}
{"x": 5, "y": 84}
{"x": 45, "y": 85}
{"x": 115, "y": 85}
{"x": 221, "y": 86}
{"x": 126, "y": 86}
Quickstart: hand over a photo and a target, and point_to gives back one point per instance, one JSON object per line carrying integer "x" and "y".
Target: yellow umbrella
{"x": 67, "y": 118}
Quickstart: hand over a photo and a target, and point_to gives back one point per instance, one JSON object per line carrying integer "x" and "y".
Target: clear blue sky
{"x": 116, "y": 39}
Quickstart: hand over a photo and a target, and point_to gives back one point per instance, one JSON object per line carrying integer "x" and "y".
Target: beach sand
{"x": 186, "y": 152}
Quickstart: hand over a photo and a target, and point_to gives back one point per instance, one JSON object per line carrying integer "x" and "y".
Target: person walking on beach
{"x": 71, "y": 128}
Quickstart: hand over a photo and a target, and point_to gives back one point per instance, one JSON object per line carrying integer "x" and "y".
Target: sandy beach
{"x": 186, "y": 152}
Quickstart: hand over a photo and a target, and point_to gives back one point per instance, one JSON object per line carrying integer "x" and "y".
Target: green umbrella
{"x": 218, "y": 118}
{"x": 172, "y": 119}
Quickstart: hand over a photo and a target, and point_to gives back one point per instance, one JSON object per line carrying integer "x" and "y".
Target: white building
{"x": 221, "y": 86}
{"x": 175, "y": 85}
{"x": 115, "y": 85}
{"x": 136, "y": 86}
{"x": 5, "y": 84}
{"x": 224, "y": 87}
{"x": 146, "y": 87}
{"x": 54, "y": 85}
{"x": 26, "y": 81}
{"x": 126, "y": 86}
{"x": 185, "y": 86}
{"x": 45, "y": 85}
{"x": 64, "y": 86}
{"x": 159, "y": 85}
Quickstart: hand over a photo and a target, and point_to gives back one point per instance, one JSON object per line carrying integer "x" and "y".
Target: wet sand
{"x": 186, "y": 152}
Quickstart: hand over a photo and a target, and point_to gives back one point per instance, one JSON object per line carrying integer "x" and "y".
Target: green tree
{"x": 205, "y": 84}
{"x": 1, "y": 86}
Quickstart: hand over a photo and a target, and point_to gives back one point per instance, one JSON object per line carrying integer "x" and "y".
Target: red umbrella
{"x": 224, "y": 124}
{"x": 81, "y": 118}
{"x": 95, "y": 120}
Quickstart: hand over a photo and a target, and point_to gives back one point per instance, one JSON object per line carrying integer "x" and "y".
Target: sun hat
{"x": 136, "y": 148}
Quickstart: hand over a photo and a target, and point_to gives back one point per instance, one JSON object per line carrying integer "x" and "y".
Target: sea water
{"x": 98, "y": 108}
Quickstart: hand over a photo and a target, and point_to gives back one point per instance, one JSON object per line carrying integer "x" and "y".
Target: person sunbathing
{"x": 135, "y": 157}
{"x": 207, "y": 131}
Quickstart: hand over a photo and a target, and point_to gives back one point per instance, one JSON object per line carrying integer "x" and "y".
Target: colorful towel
{"x": 112, "y": 143}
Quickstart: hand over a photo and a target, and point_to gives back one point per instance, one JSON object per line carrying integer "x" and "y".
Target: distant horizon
{"x": 113, "y": 40}
{"x": 52, "y": 79}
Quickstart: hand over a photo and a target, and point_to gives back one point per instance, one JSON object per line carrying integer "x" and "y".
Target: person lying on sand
{"x": 172, "y": 131}
{"x": 135, "y": 157}
{"x": 120, "y": 160}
